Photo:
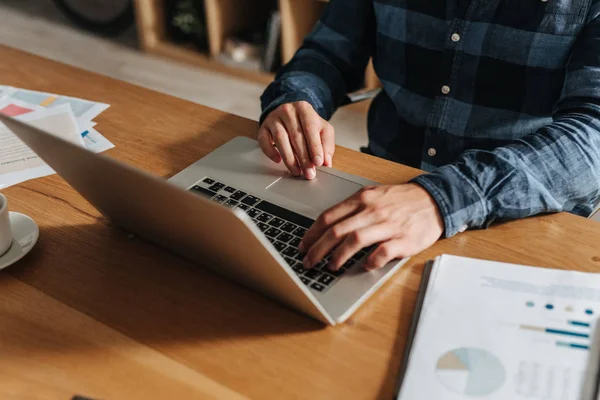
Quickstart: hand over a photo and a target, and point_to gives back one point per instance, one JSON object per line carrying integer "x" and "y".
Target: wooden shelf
{"x": 225, "y": 17}
{"x": 190, "y": 55}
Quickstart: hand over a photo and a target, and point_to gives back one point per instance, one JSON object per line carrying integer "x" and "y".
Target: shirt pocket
{"x": 537, "y": 33}
{"x": 554, "y": 17}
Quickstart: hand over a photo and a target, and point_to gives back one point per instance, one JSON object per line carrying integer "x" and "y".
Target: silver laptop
{"x": 233, "y": 210}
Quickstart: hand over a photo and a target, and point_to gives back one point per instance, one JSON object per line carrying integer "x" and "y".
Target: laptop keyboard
{"x": 283, "y": 228}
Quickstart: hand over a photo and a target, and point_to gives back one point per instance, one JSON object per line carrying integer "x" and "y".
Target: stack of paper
{"x": 500, "y": 331}
{"x": 67, "y": 117}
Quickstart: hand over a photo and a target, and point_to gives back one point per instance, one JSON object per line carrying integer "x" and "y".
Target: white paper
{"x": 498, "y": 331}
{"x": 83, "y": 110}
{"x": 18, "y": 162}
{"x": 93, "y": 140}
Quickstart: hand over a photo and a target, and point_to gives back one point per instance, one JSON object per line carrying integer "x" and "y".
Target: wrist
{"x": 427, "y": 202}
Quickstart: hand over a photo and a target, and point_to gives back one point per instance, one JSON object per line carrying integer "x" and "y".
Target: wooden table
{"x": 95, "y": 312}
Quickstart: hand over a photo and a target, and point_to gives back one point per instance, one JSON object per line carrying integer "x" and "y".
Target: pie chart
{"x": 470, "y": 371}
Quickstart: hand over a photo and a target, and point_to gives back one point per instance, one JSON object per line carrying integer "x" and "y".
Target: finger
{"x": 392, "y": 249}
{"x": 265, "y": 140}
{"x": 311, "y": 126}
{"x": 336, "y": 235}
{"x": 282, "y": 141}
{"x": 328, "y": 140}
{"x": 326, "y": 220}
{"x": 296, "y": 135}
{"x": 359, "y": 239}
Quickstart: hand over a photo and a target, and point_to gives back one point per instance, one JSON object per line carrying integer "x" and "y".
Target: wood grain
{"x": 232, "y": 336}
{"x": 50, "y": 350}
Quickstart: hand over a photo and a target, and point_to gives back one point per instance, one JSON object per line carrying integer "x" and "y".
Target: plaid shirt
{"x": 498, "y": 99}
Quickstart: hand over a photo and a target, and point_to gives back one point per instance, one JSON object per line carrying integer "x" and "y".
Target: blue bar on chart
{"x": 553, "y": 331}
{"x": 573, "y": 345}
{"x": 580, "y": 323}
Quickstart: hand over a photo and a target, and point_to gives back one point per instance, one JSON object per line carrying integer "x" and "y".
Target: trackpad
{"x": 320, "y": 193}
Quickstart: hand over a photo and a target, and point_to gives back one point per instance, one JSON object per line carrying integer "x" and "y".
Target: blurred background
{"x": 219, "y": 53}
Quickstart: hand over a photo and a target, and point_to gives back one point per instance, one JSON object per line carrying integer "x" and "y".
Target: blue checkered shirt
{"x": 498, "y": 99}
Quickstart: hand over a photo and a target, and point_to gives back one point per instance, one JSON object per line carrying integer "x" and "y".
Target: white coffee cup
{"x": 6, "y": 236}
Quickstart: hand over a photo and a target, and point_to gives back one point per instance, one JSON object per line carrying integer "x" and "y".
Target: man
{"x": 498, "y": 99}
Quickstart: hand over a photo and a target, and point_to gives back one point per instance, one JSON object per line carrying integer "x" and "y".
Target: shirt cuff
{"x": 461, "y": 203}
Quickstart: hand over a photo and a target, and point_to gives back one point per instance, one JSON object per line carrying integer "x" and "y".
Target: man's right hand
{"x": 296, "y": 134}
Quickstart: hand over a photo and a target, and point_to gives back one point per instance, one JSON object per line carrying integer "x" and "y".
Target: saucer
{"x": 25, "y": 235}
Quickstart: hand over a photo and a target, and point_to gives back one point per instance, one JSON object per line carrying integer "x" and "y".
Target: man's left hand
{"x": 403, "y": 219}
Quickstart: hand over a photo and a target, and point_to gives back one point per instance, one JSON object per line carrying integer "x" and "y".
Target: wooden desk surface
{"x": 94, "y": 312}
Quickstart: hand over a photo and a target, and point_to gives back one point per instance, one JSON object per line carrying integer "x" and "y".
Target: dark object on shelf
{"x": 105, "y": 17}
{"x": 272, "y": 54}
{"x": 245, "y": 49}
{"x": 186, "y": 22}
{"x": 257, "y": 48}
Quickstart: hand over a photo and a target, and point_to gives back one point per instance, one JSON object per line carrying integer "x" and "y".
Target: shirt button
{"x": 456, "y": 37}
{"x": 431, "y": 152}
{"x": 445, "y": 89}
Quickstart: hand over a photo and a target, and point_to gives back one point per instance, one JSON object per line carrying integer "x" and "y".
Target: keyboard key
{"x": 216, "y": 187}
{"x": 348, "y": 264}
{"x": 279, "y": 246}
{"x": 271, "y": 239}
{"x": 285, "y": 237}
{"x": 208, "y": 181}
{"x": 252, "y": 212}
{"x": 264, "y": 217}
{"x": 237, "y": 195}
{"x": 231, "y": 203}
{"x": 295, "y": 242}
{"x": 276, "y": 222}
{"x": 299, "y": 269}
{"x": 300, "y": 232}
{"x": 251, "y": 200}
{"x": 229, "y": 189}
{"x": 289, "y": 227}
{"x": 290, "y": 252}
{"x": 272, "y": 232}
{"x": 244, "y": 207}
{"x": 262, "y": 227}
{"x": 304, "y": 280}
{"x": 204, "y": 192}
{"x": 322, "y": 265}
{"x": 285, "y": 214}
{"x": 326, "y": 279}
{"x": 337, "y": 273}
{"x": 289, "y": 261}
{"x": 299, "y": 256}
{"x": 313, "y": 273}
{"x": 220, "y": 199}
{"x": 318, "y": 287}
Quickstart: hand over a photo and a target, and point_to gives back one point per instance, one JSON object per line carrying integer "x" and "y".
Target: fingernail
{"x": 310, "y": 173}
{"x": 329, "y": 160}
{"x": 305, "y": 163}
{"x": 318, "y": 160}
{"x": 301, "y": 247}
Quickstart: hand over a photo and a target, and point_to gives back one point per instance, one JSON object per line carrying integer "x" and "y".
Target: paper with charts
{"x": 62, "y": 115}
{"x": 497, "y": 331}
{"x": 16, "y": 101}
